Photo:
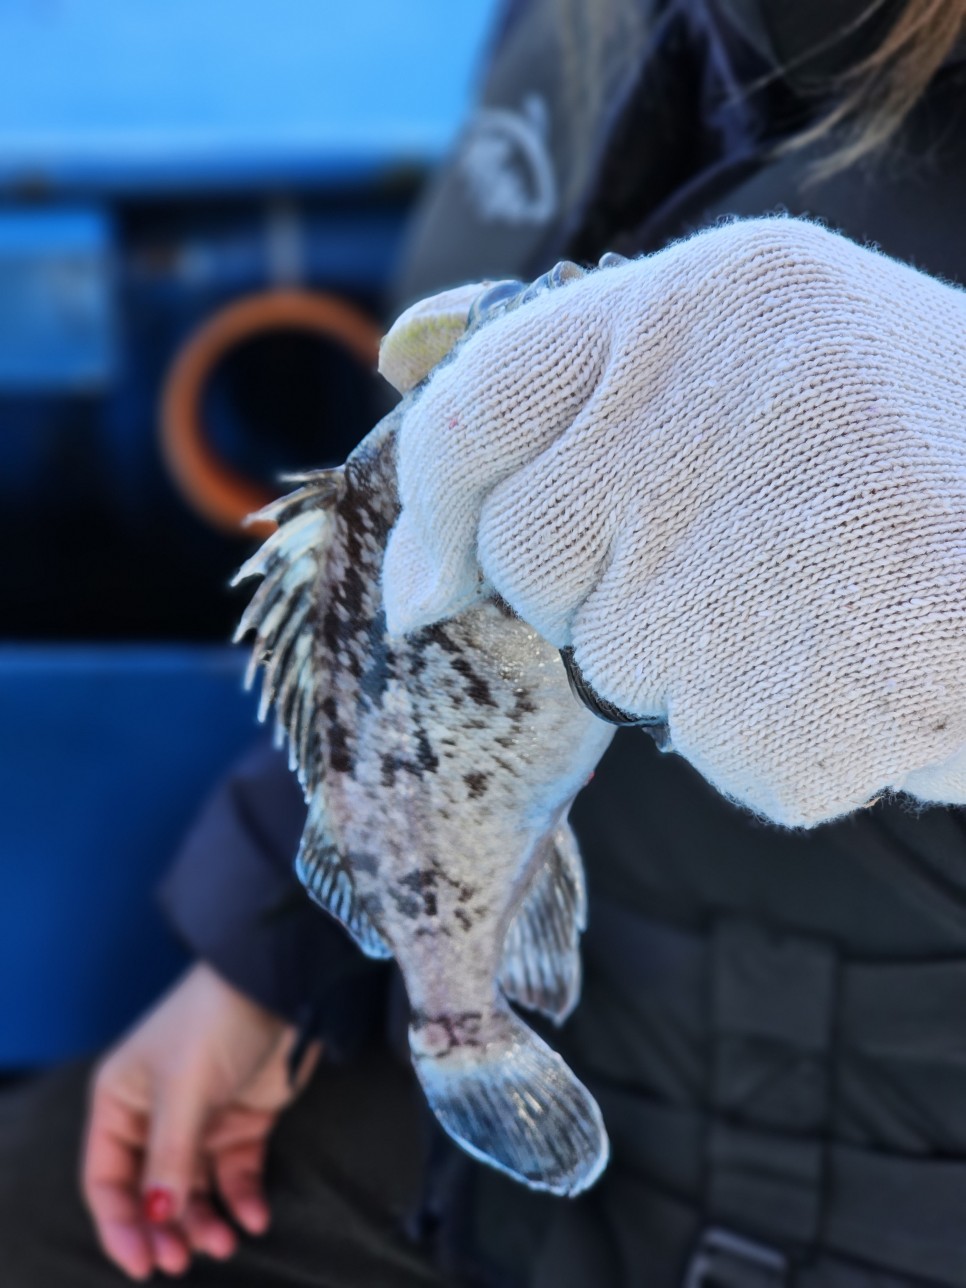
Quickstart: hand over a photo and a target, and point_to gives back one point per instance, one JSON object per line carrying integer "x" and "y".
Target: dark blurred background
{"x": 201, "y": 203}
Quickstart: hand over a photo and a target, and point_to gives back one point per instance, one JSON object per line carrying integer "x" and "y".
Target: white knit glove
{"x": 732, "y": 476}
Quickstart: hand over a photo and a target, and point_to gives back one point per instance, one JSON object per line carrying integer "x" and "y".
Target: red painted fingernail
{"x": 158, "y": 1205}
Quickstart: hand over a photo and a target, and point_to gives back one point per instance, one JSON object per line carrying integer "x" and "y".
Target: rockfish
{"x": 438, "y": 770}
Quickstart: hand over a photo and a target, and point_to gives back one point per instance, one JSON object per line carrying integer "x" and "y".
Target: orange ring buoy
{"x": 223, "y": 495}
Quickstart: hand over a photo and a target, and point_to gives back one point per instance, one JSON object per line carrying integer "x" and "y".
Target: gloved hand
{"x": 731, "y": 475}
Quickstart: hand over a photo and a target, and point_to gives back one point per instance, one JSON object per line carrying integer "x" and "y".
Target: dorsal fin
{"x": 321, "y": 870}
{"x": 541, "y": 959}
{"x": 280, "y": 613}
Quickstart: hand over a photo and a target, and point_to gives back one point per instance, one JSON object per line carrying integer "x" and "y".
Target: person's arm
{"x": 232, "y": 896}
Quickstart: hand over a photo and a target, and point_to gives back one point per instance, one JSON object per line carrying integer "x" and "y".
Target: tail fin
{"x": 515, "y": 1105}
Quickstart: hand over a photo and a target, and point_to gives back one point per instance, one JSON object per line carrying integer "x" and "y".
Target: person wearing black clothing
{"x": 769, "y": 1019}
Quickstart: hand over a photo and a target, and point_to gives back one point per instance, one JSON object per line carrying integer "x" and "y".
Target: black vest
{"x": 769, "y": 1020}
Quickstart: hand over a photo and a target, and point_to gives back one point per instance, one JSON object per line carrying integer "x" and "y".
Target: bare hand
{"x": 180, "y": 1115}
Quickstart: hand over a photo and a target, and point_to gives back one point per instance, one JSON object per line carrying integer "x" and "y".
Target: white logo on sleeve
{"x": 506, "y": 164}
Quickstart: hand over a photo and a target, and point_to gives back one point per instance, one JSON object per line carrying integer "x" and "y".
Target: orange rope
{"x": 223, "y": 495}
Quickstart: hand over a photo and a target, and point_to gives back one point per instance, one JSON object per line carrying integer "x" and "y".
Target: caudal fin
{"x": 515, "y": 1105}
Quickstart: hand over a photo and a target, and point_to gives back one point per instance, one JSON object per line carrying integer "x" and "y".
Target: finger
{"x": 624, "y": 631}
{"x": 128, "y": 1247}
{"x": 239, "y": 1174}
{"x": 545, "y": 534}
{"x": 170, "y": 1249}
{"x": 206, "y": 1231}
{"x": 126, "y": 1243}
{"x": 236, "y": 1126}
{"x": 307, "y": 1064}
{"x": 173, "y": 1157}
{"x": 504, "y": 398}
{"x": 110, "y": 1181}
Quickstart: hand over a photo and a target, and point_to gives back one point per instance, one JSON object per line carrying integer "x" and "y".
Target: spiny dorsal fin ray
{"x": 280, "y": 611}
{"x": 272, "y": 602}
{"x": 321, "y": 870}
{"x": 296, "y": 678}
{"x": 290, "y": 540}
{"x": 541, "y": 958}
{"x": 319, "y": 489}
{"x": 275, "y": 658}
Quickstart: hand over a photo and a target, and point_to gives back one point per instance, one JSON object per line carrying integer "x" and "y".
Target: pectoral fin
{"x": 322, "y": 870}
{"x": 541, "y": 959}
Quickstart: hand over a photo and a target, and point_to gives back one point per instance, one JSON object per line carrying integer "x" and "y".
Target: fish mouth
{"x": 607, "y": 711}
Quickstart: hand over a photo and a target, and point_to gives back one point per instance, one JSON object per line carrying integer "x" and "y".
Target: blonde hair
{"x": 877, "y": 94}
{"x": 869, "y": 101}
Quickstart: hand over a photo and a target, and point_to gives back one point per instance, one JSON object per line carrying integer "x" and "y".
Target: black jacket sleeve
{"x": 232, "y": 896}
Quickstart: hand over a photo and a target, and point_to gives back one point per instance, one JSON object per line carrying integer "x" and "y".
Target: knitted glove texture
{"x": 732, "y": 476}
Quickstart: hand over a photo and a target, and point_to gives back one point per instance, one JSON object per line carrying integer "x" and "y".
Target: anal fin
{"x": 322, "y": 870}
{"x": 541, "y": 958}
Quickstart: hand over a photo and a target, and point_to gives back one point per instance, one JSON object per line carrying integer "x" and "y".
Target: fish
{"x": 438, "y": 771}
